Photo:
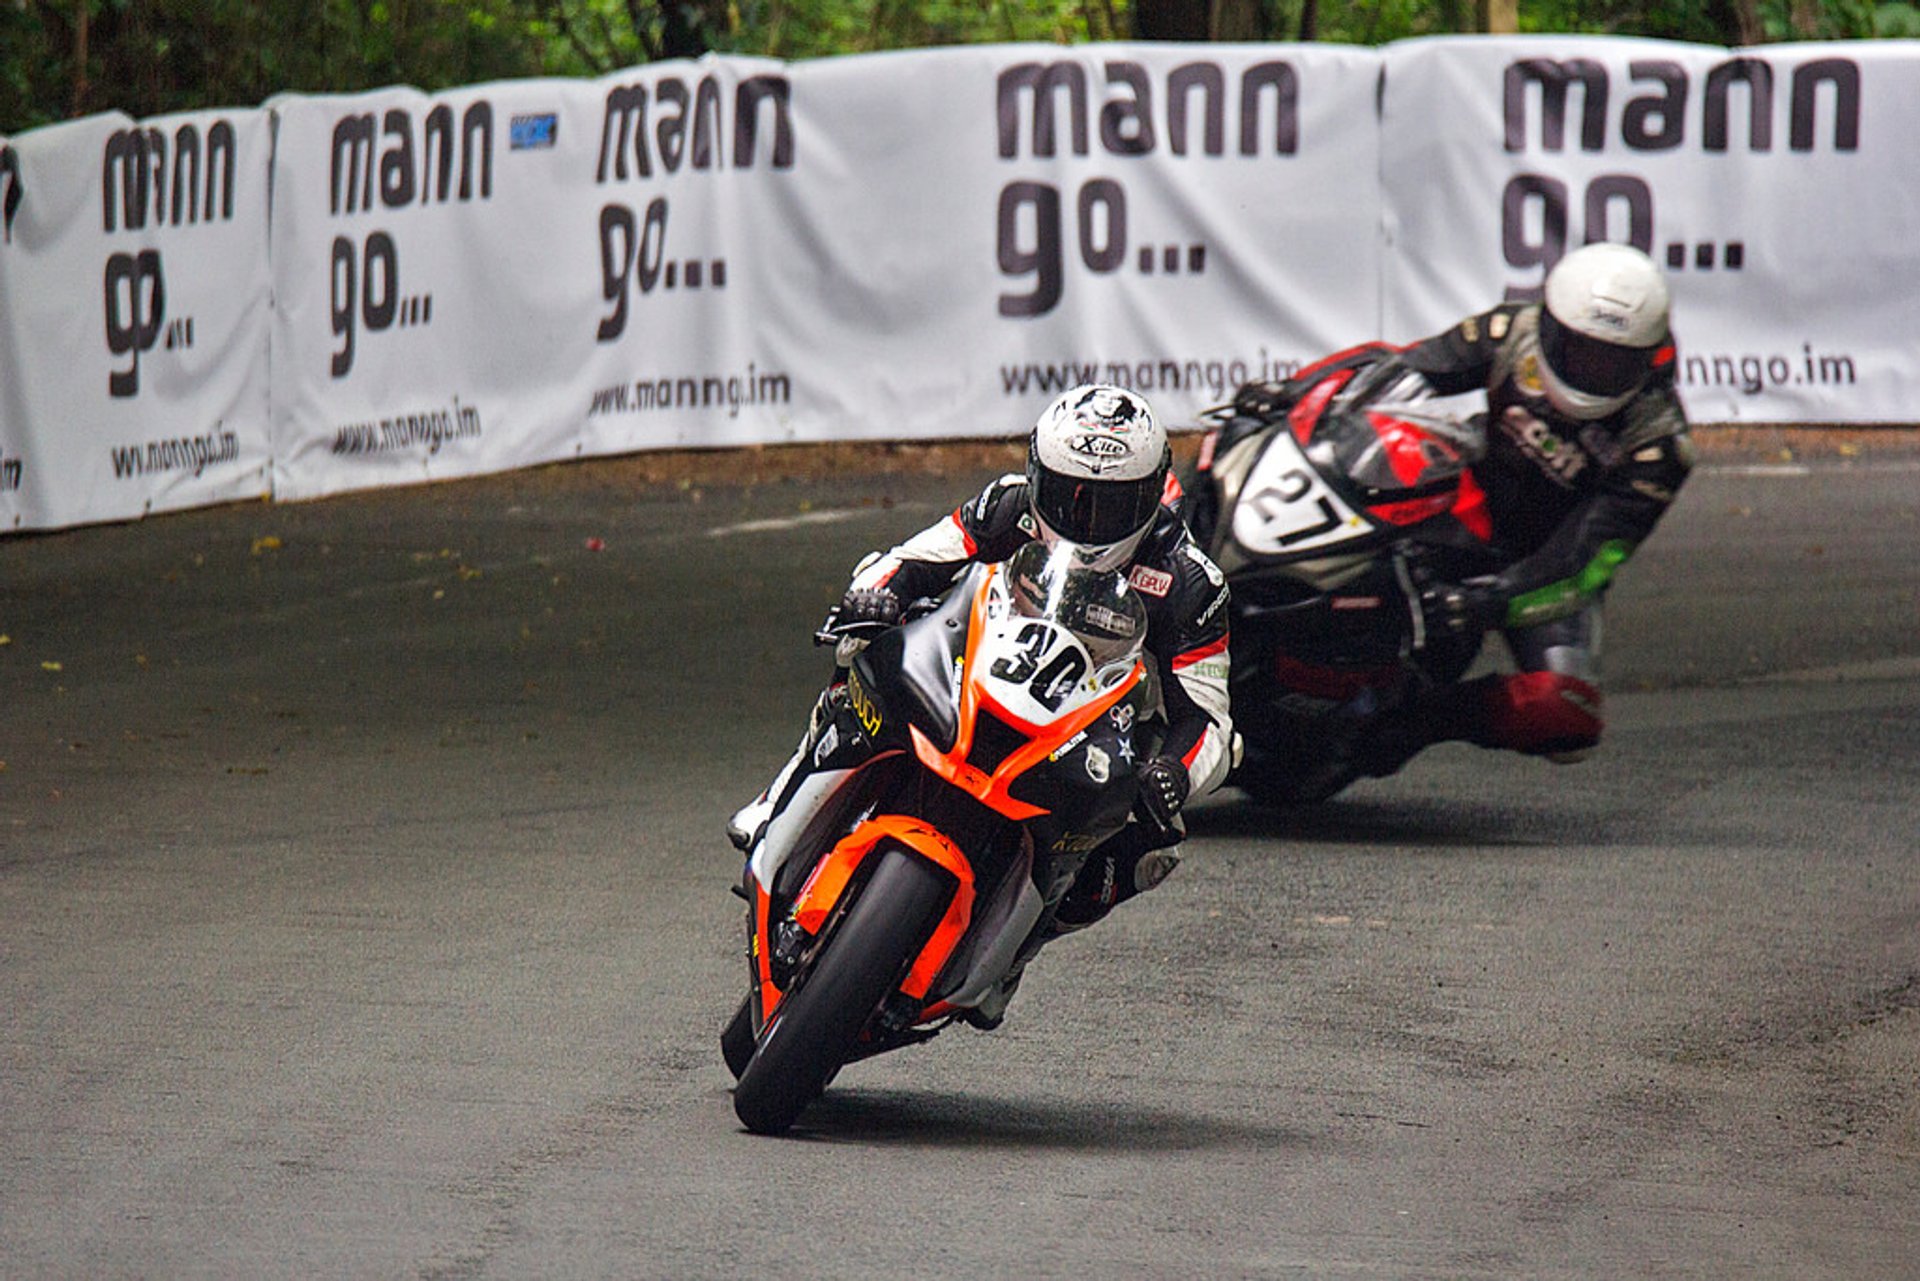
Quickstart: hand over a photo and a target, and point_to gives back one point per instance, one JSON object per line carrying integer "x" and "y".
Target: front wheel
{"x": 814, "y": 1030}
{"x": 736, "y": 1040}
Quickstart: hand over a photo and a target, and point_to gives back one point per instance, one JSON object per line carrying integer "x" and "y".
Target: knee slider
{"x": 1544, "y": 714}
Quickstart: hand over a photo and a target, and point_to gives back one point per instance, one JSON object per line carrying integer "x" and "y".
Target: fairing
{"x": 997, "y": 734}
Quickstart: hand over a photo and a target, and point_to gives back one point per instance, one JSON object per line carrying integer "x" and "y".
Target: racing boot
{"x": 749, "y": 822}
{"x": 1131, "y": 861}
{"x": 991, "y": 1010}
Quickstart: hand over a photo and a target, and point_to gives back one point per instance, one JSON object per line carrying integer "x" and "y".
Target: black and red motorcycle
{"x": 1330, "y": 501}
{"x": 975, "y": 755}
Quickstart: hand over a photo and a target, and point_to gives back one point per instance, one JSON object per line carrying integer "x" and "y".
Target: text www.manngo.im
{"x": 184, "y": 453}
{"x": 432, "y": 428}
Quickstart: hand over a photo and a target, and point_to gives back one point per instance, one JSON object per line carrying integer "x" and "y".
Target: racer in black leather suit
{"x": 1576, "y": 478}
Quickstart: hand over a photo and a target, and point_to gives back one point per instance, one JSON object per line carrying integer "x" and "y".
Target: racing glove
{"x": 869, "y": 605}
{"x": 1164, "y": 785}
{"x": 861, "y": 614}
{"x": 1471, "y": 607}
{"x": 1265, "y": 401}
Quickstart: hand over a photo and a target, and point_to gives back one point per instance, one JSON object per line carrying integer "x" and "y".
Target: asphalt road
{"x": 364, "y": 912}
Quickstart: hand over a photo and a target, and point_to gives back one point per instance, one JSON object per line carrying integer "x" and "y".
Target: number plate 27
{"x": 1285, "y": 508}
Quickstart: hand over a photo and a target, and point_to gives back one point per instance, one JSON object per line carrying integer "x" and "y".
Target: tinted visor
{"x": 1589, "y": 365}
{"x": 1095, "y": 512}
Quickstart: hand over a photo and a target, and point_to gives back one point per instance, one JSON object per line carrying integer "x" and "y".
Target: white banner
{"x": 133, "y": 317}
{"x": 735, "y": 251}
{"x": 1778, "y": 186}
{"x": 913, "y": 245}
{"x": 431, "y": 281}
{"x": 946, "y": 240}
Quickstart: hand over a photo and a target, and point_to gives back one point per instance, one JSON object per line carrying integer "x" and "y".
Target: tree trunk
{"x": 682, "y": 33}
{"x": 1737, "y": 21}
{"x": 1496, "y": 17}
{"x": 1239, "y": 20}
{"x": 80, "y": 86}
{"x": 1172, "y": 20}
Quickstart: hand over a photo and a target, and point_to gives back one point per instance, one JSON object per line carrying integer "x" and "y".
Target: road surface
{"x": 364, "y": 912}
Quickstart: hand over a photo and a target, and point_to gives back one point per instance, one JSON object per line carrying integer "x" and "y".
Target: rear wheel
{"x": 814, "y": 1030}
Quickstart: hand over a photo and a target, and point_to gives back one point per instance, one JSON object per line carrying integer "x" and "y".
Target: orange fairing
{"x": 829, "y": 881}
{"x": 992, "y": 790}
{"x": 762, "y": 946}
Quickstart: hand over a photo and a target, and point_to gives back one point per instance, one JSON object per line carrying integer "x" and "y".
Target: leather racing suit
{"x": 1569, "y": 500}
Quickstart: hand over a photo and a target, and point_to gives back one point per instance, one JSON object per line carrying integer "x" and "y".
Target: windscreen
{"x": 1096, "y": 605}
{"x": 1392, "y": 436}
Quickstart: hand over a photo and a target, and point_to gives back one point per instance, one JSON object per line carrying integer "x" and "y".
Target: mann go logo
{"x": 1661, "y": 110}
{"x": 151, "y": 178}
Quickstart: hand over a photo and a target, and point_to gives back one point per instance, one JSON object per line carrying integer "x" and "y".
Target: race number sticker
{"x": 1038, "y": 666}
{"x": 1285, "y": 507}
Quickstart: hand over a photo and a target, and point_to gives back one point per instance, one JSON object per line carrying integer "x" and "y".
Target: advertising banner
{"x": 936, "y": 244}
{"x": 736, "y": 251}
{"x": 133, "y": 317}
{"x": 708, "y": 194}
{"x": 1174, "y": 218}
{"x": 433, "y": 264}
{"x": 1779, "y": 187}
{"x": 347, "y": 291}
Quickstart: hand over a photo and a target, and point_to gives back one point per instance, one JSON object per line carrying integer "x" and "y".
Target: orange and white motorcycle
{"x": 976, "y": 754}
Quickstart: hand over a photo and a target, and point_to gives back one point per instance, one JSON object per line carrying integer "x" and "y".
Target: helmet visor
{"x": 1589, "y": 365}
{"x": 1095, "y": 512}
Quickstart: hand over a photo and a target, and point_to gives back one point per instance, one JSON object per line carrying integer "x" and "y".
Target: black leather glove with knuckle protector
{"x": 869, "y": 605}
{"x": 1164, "y": 785}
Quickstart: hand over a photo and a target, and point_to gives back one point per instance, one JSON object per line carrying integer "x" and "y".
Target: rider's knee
{"x": 1126, "y": 865}
{"x": 1544, "y": 714}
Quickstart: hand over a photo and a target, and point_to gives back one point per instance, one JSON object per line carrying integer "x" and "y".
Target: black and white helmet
{"x": 1602, "y": 328}
{"x": 1096, "y": 469}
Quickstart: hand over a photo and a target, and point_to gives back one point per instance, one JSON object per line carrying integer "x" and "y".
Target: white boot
{"x": 750, "y": 820}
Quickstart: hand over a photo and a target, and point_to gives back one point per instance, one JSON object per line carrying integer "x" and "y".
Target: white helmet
{"x": 1096, "y": 468}
{"x": 1603, "y": 325}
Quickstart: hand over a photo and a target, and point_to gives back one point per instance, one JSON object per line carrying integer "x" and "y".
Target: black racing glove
{"x": 1164, "y": 785}
{"x": 861, "y": 613}
{"x": 1472, "y": 607}
{"x": 1265, "y": 401}
{"x": 875, "y": 605}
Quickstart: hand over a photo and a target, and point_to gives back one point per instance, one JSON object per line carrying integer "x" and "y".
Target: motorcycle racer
{"x": 1098, "y": 476}
{"x": 1583, "y": 448}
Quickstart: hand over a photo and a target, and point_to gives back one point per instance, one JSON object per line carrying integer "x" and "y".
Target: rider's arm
{"x": 1193, "y": 673}
{"x": 1462, "y": 358}
{"x": 984, "y": 528}
{"x": 1575, "y": 564}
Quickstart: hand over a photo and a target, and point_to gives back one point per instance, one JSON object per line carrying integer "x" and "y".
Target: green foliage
{"x": 1896, "y": 21}
{"x": 148, "y": 57}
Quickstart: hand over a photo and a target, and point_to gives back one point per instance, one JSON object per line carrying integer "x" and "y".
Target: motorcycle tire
{"x": 736, "y": 1040}
{"x": 814, "y": 1029}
